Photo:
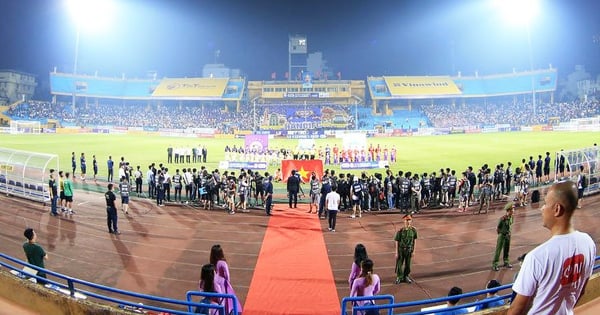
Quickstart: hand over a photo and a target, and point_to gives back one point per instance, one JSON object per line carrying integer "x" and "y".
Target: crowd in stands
{"x": 190, "y": 115}
{"x": 520, "y": 114}
{"x": 179, "y": 116}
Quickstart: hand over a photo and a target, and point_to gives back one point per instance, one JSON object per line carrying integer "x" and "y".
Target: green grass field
{"x": 417, "y": 154}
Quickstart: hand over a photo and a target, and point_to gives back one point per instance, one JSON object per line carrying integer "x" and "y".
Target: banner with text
{"x": 422, "y": 86}
{"x": 237, "y": 165}
{"x": 363, "y": 165}
{"x": 191, "y": 87}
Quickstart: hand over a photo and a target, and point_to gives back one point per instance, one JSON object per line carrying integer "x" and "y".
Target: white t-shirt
{"x": 554, "y": 273}
{"x": 333, "y": 200}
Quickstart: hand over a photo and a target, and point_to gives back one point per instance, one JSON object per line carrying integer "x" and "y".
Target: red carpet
{"x": 293, "y": 274}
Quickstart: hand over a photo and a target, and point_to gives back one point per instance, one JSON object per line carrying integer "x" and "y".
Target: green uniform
{"x": 35, "y": 256}
{"x": 405, "y": 237}
{"x": 503, "y": 242}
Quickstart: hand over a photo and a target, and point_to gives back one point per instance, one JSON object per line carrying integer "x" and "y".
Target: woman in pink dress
{"x": 360, "y": 254}
{"x": 217, "y": 258}
{"x": 367, "y": 284}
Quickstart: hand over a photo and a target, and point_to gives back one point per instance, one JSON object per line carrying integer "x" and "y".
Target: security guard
{"x": 503, "y": 242}
{"x": 405, "y": 247}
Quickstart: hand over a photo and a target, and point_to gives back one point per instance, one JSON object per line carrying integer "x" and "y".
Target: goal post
{"x": 25, "y": 126}
{"x": 25, "y": 174}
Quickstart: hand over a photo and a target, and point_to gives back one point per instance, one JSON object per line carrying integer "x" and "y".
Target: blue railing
{"x": 73, "y": 286}
{"x": 348, "y": 302}
{"x": 220, "y": 307}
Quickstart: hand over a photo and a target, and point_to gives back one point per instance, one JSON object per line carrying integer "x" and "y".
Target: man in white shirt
{"x": 555, "y": 273}
{"x": 332, "y": 200}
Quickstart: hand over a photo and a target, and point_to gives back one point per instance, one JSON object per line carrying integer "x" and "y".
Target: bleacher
{"x": 400, "y": 119}
{"x": 31, "y": 191}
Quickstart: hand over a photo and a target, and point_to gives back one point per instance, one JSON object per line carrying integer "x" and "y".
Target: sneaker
{"x": 117, "y": 233}
{"x": 71, "y": 211}
{"x": 352, "y": 216}
{"x": 507, "y": 266}
{"x": 231, "y": 212}
{"x": 329, "y": 229}
{"x": 495, "y": 268}
{"x": 408, "y": 280}
{"x": 333, "y": 230}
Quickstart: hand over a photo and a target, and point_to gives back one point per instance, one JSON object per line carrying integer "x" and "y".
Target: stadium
{"x": 224, "y": 125}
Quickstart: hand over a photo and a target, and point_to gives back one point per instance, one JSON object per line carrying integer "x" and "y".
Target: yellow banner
{"x": 421, "y": 86}
{"x": 191, "y": 87}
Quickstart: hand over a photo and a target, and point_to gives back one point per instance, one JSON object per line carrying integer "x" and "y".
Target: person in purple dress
{"x": 360, "y": 255}
{"x": 217, "y": 258}
{"x": 367, "y": 284}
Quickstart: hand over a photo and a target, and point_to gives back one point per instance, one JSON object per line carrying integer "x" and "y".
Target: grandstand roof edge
{"x": 50, "y": 155}
{"x": 409, "y": 97}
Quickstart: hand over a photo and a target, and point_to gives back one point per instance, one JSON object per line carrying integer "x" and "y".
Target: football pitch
{"x": 416, "y": 154}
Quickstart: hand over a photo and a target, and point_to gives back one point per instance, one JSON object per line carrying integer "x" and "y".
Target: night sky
{"x": 358, "y": 38}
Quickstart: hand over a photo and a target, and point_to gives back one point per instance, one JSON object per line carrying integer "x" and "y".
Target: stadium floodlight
{"x": 518, "y": 12}
{"x": 89, "y": 16}
{"x": 522, "y": 13}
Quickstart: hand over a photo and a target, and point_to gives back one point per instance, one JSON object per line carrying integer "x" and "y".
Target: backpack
{"x": 535, "y": 196}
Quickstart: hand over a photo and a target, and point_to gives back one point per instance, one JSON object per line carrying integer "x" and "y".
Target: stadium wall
{"x": 44, "y": 301}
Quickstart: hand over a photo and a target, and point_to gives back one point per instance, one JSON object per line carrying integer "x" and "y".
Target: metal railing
{"x": 348, "y": 302}
{"x": 74, "y": 285}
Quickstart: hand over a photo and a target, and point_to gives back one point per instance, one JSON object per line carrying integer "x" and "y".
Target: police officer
{"x": 405, "y": 247}
{"x": 503, "y": 243}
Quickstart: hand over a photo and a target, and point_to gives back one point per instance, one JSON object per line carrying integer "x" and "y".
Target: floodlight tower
{"x": 89, "y": 15}
{"x": 522, "y": 12}
{"x": 298, "y": 50}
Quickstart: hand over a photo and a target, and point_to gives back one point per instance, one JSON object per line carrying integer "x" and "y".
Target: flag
{"x": 339, "y": 75}
{"x": 259, "y": 143}
{"x": 273, "y": 75}
{"x": 299, "y": 76}
{"x": 303, "y": 167}
{"x": 287, "y": 75}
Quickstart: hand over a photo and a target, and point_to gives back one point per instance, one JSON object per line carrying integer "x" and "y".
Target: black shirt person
{"x": 293, "y": 187}
{"x": 111, "y": 210}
